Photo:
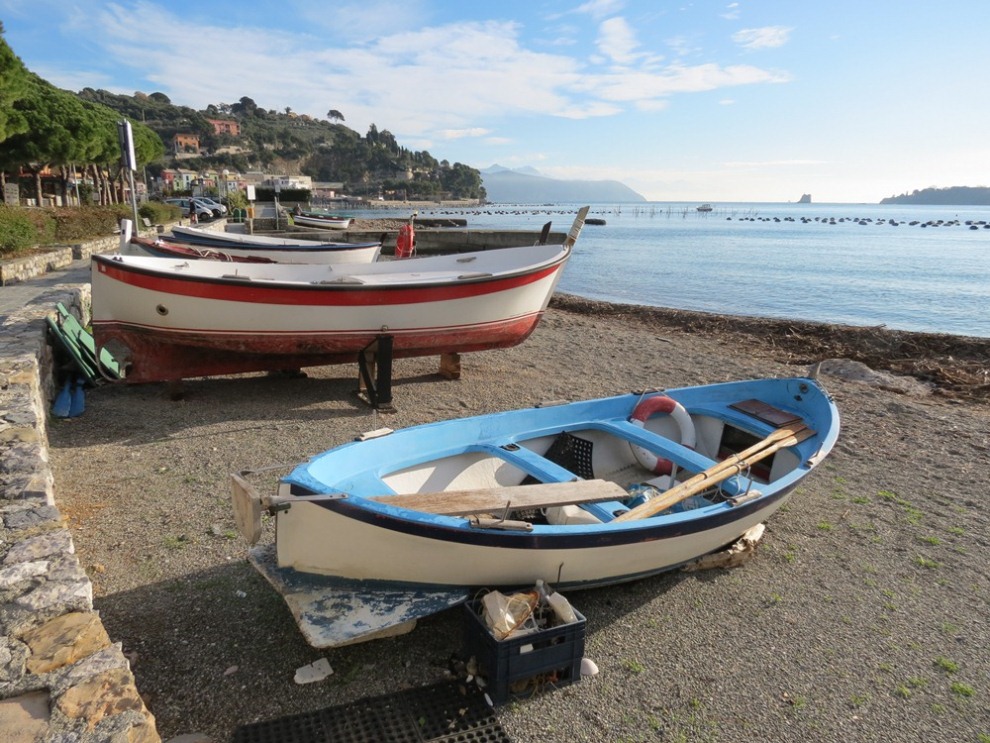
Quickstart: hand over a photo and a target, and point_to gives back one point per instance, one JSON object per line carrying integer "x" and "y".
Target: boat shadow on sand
{"x": 148, "y": 413}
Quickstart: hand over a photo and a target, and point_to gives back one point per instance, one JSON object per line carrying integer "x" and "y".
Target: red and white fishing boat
{"x": 168, "y": 319}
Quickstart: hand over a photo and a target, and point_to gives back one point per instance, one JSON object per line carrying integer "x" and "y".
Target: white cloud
{"x": 767, "y": 37}
{"x": 617, "y": 41}
{"x": 462, "y": 133}
{"x": 652, "y": 105}
{"x": 426, "y": 83}
{"x": 681, "y": 46}
{"x": 351, "y": 19}
{"x": 732, "y": 11}
{"x": 599, "y": 9}
{"x": 637, "y": 86}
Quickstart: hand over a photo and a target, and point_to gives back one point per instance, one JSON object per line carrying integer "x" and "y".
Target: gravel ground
{"x": 862, "y": 617}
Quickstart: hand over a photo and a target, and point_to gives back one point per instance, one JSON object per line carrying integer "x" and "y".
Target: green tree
{"x": 244, "y": 107}
{"x": 13, "y": 87}
{"x": 64, "y": 130}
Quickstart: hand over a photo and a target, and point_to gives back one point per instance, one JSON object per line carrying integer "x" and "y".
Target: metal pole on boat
{"x": 126, "y": 139}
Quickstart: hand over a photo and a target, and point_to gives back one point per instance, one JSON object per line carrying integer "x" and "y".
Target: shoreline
{"x": 854, "y": 593}
{"x": 957, "y": 366}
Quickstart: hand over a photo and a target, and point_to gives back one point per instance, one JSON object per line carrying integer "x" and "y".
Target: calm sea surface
{"x": 842, "y": 263}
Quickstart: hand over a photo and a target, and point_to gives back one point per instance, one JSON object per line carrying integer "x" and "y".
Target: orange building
{"x": 185, "y": 142}
{"x": 226, "y": 126}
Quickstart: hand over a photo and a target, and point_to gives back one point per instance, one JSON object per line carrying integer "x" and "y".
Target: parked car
{"x": 218, "y": 209}
{"x": 202, "y": 211}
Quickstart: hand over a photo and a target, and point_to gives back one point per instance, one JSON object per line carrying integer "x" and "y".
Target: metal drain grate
{"x": 448, "y": 712}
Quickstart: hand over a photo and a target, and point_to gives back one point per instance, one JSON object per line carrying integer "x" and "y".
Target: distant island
{"x": 953, "y": 196}
{"x": 805, "y": 199}
{"x": 527, "y": 185}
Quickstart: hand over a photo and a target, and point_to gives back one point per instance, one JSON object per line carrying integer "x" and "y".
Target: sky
{"x": 849, "y": 101}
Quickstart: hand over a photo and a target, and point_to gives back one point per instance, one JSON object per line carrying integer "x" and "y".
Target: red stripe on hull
{"x": 313, "y": 295}
{"x": 157, "y": 356}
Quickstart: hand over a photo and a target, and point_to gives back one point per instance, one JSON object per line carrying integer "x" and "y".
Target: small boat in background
{"x": 244, "y": 251}
{"x": 176, "y": 319}
{"x": 163, "y": 249}
{"x": 705, "y": 208}
{"x": 320, "y": 220}
{"x": 578, "y": 495}
{"x": 235, "y": 239}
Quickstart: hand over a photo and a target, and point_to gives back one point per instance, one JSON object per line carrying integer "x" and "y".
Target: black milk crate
{"x": 550, "y": 657}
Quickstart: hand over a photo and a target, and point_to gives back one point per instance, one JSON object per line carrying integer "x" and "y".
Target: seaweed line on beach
{"x": 956, "y": 366}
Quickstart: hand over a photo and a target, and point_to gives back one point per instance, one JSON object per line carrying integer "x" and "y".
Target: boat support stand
{"x": 375, "y": 374}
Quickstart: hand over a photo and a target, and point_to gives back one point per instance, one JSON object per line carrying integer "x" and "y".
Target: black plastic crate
{"x": 519, "y": 666}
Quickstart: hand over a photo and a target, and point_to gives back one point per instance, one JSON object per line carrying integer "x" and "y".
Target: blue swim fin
{"x": 63, "y": 402}
{"x": 78, "y": 404}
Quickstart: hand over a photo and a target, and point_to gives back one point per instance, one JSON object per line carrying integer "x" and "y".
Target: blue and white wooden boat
{"x": 579, "y": 494}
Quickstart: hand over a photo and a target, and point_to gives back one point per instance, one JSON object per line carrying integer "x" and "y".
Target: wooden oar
{"x": 779, "y": 439}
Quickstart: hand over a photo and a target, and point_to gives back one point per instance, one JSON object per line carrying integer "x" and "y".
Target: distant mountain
{"x": 524, "y": 185}
{"x": 953, "y": 196}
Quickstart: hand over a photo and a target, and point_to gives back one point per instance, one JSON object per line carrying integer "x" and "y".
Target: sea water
{"x": 919, "y": 268}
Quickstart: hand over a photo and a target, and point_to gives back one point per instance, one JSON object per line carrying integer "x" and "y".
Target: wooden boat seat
{"x": 516, "y": 497}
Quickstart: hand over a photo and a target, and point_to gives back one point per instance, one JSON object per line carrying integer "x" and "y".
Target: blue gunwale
{"x": 362, "y": 471}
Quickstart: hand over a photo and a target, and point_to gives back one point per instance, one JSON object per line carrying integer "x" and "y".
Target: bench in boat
{"x": 516, "y": 497}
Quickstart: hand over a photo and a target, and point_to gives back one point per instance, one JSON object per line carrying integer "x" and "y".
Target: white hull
{"x": 315, "y": 540}
{"x": 245, "y": 310}
{"x": 319, "y": 223}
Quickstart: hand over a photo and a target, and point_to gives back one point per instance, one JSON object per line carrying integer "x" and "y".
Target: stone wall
{"x": 44, "y": 260}
{"x": 61, "y": 676}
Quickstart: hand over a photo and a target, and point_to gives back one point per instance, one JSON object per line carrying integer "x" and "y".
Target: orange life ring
{"x": 405, "y": 244}
{"x": 669, "y": 406}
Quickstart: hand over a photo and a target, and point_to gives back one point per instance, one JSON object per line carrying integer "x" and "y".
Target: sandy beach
{"x": 862, "y": 617}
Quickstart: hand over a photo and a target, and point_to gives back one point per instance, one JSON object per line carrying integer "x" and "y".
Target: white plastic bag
{"x": 508, "y": 615}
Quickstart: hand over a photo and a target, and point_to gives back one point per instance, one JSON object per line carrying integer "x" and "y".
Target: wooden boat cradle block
{"x": 496, "y": 500}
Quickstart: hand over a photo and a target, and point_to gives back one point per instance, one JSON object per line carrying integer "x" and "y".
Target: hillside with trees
{"x": 70, "y": 139}
{"x": 952, "y": 196}
{"x": 288, "y": 143}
